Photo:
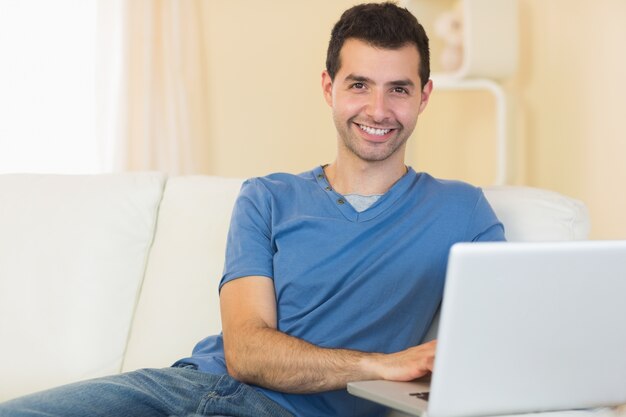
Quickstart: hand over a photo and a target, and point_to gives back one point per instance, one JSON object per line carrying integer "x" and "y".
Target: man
{"x": 331, "y": 276}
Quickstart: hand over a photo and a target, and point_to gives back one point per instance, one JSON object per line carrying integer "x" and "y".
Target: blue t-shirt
{"x": 369, "y": 281}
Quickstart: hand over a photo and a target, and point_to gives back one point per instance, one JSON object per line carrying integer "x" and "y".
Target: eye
{"x": 400, "y": 90}
{"x": 358, "y": 86}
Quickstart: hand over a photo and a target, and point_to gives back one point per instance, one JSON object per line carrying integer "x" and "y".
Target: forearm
{"x": 274, "y": 360}
{"x": 257, "y": 353}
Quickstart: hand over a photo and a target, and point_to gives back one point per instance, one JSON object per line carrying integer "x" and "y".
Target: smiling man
{"x": 332, "y": 275}
{"x": 376, "y": 97}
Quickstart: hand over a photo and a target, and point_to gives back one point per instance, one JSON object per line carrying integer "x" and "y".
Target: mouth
{"x": 375, "y": 134}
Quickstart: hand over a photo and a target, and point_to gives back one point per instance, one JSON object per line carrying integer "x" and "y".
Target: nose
{"x": 377, "y": 107}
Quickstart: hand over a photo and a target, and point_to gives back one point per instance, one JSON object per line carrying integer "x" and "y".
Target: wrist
{"x": 370, "y": 366}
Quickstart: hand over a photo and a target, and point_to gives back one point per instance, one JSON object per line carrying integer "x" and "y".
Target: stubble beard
{"x": 382, "y": 151}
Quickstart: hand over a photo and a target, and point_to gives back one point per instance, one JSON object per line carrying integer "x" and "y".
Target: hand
{"x": 408, "y": 364}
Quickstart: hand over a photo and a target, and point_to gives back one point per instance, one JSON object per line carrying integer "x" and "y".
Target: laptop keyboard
{"x": 421, "y": 395}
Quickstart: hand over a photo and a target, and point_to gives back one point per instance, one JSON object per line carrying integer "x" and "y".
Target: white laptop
{"x": 524, "y": 327}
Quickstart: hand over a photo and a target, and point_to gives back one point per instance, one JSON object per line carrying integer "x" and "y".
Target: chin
{"x": 385, "y": 151}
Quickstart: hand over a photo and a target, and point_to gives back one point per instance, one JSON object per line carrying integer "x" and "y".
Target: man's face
{"x": 376, "y": 98}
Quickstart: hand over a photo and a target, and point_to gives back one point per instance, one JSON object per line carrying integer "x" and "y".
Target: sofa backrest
{"x": 84, "y": 257}
{"x": 73, "y": 251}
{"x": 179, "y": 303}
{"x": 533, "y": 215}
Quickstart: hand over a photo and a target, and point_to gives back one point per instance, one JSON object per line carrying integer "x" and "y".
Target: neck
{"x": 364, "y": 178}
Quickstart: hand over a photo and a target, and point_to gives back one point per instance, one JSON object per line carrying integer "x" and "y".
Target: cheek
{"x": 407, "y": 113}
{"x": 349, "y": 103}
{"x": 345, "y": 110}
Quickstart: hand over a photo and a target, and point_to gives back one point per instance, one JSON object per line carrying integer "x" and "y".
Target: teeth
{"x": 373, "y": 131}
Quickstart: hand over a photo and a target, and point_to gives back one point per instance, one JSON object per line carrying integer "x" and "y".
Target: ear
{"x": 428, "y": 88}
{"x": 327, "y": 87}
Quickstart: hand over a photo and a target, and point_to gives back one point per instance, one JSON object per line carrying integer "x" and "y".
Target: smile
{"x": 374, "y": 131}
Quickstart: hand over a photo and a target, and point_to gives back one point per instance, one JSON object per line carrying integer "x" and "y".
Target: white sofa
{"x": 109, "y": 273}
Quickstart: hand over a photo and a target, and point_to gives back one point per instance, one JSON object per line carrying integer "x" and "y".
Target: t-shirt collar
{"x": 387, "y": 200}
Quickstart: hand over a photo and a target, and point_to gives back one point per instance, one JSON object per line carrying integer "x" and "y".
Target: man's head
{"x": 376, "y": 82}
{"x": 382, "y": 25}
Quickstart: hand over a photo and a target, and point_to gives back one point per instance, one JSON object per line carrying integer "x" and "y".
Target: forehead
{"x": 359, "y": 57}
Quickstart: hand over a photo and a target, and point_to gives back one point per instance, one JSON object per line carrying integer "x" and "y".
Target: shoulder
{"x": 277, "y": 186}
{"x": 465, "y": 206}
{"x": 279, "y": 182}
{"x": 449, "y": 191}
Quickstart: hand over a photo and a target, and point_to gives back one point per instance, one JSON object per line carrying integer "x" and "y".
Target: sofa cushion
{"x": 179, "y": 303}
{"x": 72, "y": 257}
{"x": 533, "y": 214}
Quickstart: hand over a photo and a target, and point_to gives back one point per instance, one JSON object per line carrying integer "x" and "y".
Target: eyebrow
{"x": 361, "y": 79}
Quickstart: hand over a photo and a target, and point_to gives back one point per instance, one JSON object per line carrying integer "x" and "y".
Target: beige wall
{"x": 573, "y": 89}
{"x": 267, "y": 113}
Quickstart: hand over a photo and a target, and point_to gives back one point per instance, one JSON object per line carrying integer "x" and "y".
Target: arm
{"x": 257, "y": 353}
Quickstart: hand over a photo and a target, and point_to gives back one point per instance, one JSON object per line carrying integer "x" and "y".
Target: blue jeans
{"x": 178, "y": 391}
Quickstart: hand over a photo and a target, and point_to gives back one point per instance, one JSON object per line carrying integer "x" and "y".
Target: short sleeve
{"x": 484, "y": 225}
{"x": 249, "y": 249}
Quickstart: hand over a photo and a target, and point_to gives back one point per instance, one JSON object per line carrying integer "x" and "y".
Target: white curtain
{"x": 152, "y": 92}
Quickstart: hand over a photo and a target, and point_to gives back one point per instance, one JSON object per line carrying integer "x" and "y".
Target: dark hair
{"x": 383, "y": 25}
